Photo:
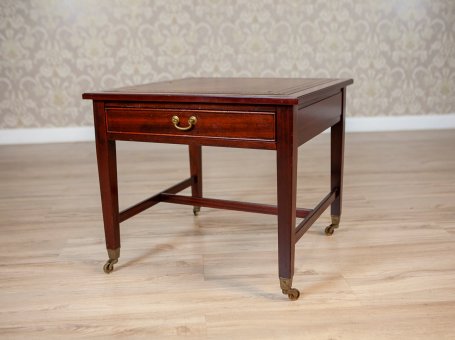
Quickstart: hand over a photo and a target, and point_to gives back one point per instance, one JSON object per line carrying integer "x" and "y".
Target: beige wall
{"x": 400, "y": 53}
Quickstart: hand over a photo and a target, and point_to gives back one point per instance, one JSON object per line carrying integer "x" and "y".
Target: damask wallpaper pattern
{"x": 400, "y": 53}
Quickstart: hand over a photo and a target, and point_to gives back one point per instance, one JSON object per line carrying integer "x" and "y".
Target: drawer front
{"x": 209, "y": 123}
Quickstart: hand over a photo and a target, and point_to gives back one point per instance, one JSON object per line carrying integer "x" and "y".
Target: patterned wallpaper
{"x": 400, "y": 53}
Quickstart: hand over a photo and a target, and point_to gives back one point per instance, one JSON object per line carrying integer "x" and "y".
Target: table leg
{"x": 195, "y": 152}
{"x": 286, "y": 191}
{"x": 336, "y": 178}
{"x": 107, "y": 171}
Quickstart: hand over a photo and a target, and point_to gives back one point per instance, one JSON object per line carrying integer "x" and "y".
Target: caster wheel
{"x": 109, "y": 266}
{"x": 293, "y": 294}
{"x": 329, "y": 230}
{"x": 196, "y": 210}
{"x": 286, "y": 287}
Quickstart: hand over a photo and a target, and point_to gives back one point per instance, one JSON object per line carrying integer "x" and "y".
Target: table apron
{"x": 312, "y": 120}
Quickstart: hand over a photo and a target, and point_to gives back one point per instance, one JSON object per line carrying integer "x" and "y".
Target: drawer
{"x": 209, "y": 123}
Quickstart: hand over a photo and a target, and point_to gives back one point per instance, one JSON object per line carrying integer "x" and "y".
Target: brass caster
{"x": 286, "y": 287}
{"x": 331, "y": 228}
{"x": 196, "y": 210}
{"x": 109, "y": 266}
{"x": 293, "y": 294}
{"x": 113, "y": 254}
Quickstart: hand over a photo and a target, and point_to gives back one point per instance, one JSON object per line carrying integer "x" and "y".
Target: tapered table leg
{"x": 286, "y": 191}
{"x": 337, "y": 160}
{"x": 195, "y": 152}
{"x": 107, "y": 171}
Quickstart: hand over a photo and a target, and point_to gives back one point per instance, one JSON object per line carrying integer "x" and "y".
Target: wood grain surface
{"x": 289, "y": 91}
{"x": 388, "y": 272}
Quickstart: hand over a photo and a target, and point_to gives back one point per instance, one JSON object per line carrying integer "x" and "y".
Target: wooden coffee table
{"x": 258, "y": 113}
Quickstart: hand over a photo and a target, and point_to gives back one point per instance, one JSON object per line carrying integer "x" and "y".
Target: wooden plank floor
{"x": 387, "y": 273}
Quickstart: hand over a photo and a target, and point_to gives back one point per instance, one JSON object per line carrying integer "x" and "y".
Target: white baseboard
{"x": 47, "y": 135}
{"x": 353, "y": 124}
{"x": 400, "y": 123}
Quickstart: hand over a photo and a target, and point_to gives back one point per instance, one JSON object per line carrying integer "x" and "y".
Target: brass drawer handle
{"x": 191, "y": 122}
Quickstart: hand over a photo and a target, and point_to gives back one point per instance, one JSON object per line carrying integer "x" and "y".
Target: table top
{"x": 231, "y": 90}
